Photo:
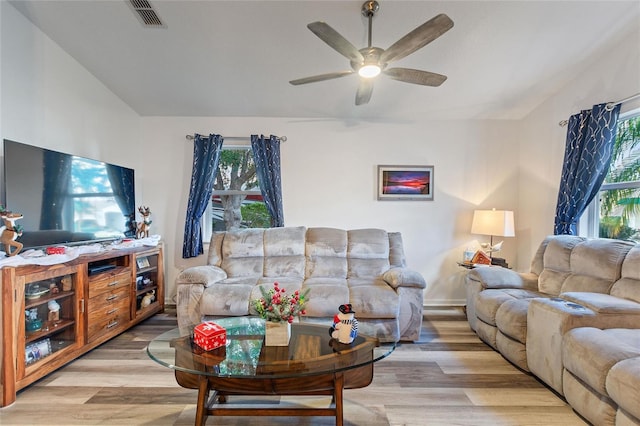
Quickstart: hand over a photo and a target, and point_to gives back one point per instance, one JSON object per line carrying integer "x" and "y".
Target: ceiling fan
{"x": 370, "y": 61}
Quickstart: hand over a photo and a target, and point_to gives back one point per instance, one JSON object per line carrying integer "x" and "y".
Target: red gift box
{"x": 209, "y": 335}
{"x": 55, "y": 250}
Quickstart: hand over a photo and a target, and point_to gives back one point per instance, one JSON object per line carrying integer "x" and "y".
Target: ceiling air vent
{"x": 146, "y": 14}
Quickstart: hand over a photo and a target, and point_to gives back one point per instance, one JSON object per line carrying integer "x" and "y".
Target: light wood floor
{"x": 448, "y": 378}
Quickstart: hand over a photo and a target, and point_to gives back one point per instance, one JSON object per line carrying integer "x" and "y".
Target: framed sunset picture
{"x": 412, "y": 183}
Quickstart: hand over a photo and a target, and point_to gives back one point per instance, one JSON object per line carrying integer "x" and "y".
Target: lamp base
{"x": 498, "y": 261}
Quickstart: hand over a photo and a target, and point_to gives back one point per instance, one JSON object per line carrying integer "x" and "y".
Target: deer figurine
{"x": 10, "y": 231}
{"x": 144, "y": 226}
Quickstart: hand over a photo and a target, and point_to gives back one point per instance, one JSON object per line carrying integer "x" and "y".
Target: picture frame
{"x": 142, "y": 262}
{"x": 408, "y": 183}
{"x": 34, "y": 352}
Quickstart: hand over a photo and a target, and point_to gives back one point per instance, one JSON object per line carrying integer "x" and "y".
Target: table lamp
{"x": 493, "y": 223}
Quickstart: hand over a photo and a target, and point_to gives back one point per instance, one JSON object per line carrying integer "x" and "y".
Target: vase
{"x": 277, "y": 333}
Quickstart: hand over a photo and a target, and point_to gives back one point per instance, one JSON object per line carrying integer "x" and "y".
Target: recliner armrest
{"x": 496, "y": 277}
{"x": 404, "y": 277}
{"x": 602, "y": 303}
{"x": 205, "y": 275}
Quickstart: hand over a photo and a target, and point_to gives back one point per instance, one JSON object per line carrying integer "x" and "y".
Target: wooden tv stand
{"x": 96, "y": 296}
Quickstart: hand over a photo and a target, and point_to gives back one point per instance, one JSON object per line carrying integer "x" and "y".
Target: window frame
{"x": 591, "y": 217}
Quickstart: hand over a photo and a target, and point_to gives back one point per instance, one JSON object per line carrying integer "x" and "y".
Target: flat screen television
{"x": 66, "y": 199}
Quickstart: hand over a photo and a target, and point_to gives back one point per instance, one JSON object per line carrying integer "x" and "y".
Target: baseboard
{"x": 445, "y": 302}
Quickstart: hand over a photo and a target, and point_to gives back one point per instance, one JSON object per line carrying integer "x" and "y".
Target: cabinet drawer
{"x": 111, "y": 308}
{"x": 110, "y": 324}
{"x": 108, "y": 299}
{"x": 109, "y": 282}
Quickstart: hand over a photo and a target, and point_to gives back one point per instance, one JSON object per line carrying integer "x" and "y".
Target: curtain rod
{"x": 248, "y": 138}
{"x": 609, "y": 106}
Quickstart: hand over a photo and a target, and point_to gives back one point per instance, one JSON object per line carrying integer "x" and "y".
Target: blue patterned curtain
{"x": 590, "y": 137}
{"x": 266, "y": 154}
{"x": 206, "y": 155}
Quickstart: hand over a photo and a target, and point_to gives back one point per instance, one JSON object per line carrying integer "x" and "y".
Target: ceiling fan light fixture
{"x": 369, "y": 71}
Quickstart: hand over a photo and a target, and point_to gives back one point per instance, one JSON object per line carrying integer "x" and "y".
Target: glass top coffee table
{"x": 312, "y": 364}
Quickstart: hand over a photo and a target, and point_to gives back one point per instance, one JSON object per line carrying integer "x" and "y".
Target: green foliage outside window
{"x": 619, "y": 200}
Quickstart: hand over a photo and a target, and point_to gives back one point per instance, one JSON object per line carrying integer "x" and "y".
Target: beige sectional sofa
{"x": 551, "y": 321}
{"x": 364, "y": 267}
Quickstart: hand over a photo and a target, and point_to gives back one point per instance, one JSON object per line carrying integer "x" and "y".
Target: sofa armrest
{"x": 496, "y": 277}
{"x": 205, "y": 275}
{"x": 603, "y": 303}
{"x": 404, "y": 277}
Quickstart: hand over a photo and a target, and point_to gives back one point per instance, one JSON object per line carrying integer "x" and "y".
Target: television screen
{"x": 67, "y": 199}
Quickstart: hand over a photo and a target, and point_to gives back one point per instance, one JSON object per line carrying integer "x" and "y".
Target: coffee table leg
{"x": 337, "y": 396}
{"x": 203, "y": 397}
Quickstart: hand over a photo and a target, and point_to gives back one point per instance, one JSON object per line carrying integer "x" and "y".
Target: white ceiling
{"x": 235, "y": 58}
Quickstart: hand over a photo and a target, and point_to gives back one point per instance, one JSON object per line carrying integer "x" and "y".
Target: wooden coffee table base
{"x": 213, "y": 393}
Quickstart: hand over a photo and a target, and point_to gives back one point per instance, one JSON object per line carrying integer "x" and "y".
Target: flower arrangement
{"x": 277, "y": 306}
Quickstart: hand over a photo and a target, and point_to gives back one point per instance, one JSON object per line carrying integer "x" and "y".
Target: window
{"x": 236, "y": 201}
{"x": 616, "y": 210}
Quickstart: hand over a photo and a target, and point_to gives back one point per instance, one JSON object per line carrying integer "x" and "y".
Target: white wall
{"x": 329, "y": 179}
{"x": 612, "y": 76}
{"x": 49, "y": 100}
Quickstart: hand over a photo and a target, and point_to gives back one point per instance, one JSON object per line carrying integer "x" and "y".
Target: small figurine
{"x": 10, "y": 231}
{"x": 148, "y": 299}
{"x": 54, "y": 311}
{"x": 345, "y": 325}
{"x": 66, "y": 283}
{"x": 144, "y": 226}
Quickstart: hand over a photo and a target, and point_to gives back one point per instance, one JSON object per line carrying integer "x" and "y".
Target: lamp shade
{"x": 493, "y": 222}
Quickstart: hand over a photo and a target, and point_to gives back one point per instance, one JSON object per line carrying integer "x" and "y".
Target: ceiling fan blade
{"x": 418, "y": 38}
{"x": 336, "y": 41}
{"x": 409, "y": 75}
{"x": 365, "y": 89}
{"x": 321, "y": 77}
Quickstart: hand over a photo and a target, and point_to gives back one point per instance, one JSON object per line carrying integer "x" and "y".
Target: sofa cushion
{"x": 214, "y": 255}
{"x": 623, "y": 385}
{"x": 556, "y": 260}
{"x": 511, "y": 319}
{"x": 589, "y": 353}
{"x": 243, "y": 253}
{"x": 373, "y": 298}
{"x": 396, "y": 250}
{"x": 325, "y": 296}
{"x": 284, "y": 251}
{"x": 326, "y": 250}
{"x": 488, "y": 302}
{"x": 229, "y": 297}
{"x": 596, "y": 265}
{"x": 367, "y": 252}
{"x": 628, "y": 286}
